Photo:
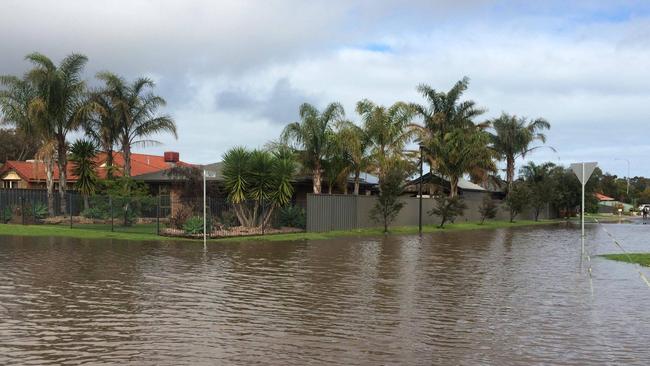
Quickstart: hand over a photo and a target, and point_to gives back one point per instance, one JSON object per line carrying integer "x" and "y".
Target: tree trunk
{"x": 109, "y": 163}
{"x": 63, "y": 167}
{"x": 510, "y": 172}
{"x": 329, "y": 187}
{"x": 49, "y": 183}
{"x": 86, "y": 205}
{"x": 316, "y": 178}
{"x": 453, "y": 183}
{"x": 356, "y": 182}
{"x": 126, "y": 151}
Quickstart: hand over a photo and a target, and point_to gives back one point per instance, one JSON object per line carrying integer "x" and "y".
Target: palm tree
{"x": 20, "y": 107}
{"x": 387, "y": 132}
{"x": 355, "y": 144}
{"x": 444, "y": 112}
{"x": 460, "y": 152}
{"x": 137, "y": 110}
{"x": 101, "y": 124}
{"x": 60, "y": 90}
{"x": 312, "y": 135}
{"x": 82, "y": 156}
{"x": 512, "y": 139}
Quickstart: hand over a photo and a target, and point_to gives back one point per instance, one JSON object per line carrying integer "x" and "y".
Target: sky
{"x": 235, "y": 72}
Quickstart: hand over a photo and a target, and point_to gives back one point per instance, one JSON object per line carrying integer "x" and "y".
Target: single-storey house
{"x": 434, "y": 184}
{"x": 30, "y": 174}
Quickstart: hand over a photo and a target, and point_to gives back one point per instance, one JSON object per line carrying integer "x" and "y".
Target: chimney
{"x": 171, "y": 157}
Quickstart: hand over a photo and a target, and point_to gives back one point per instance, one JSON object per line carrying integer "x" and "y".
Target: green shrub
{"x": 229, "y": 219}
{"x": 292, "y": 216}
{"x": 40, "y": 211}
{"x": 96, "y": 213}
{"x": 194, "y": 226}
{"x": 6, "y": 215}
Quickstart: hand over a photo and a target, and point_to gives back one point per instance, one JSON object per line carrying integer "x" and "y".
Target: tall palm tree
{"x": 356, "y": 149}
{"x": 387, "y": 132}
{"x": 60, "y": 90}
{"x": 312, "y": 135}
{"x": 82, "y": 156}
{"x": 101, "y": 124}
{"x": 444, "y": 112}
{"x": 21, "y": 109}
{"x": 137, "y": 110}
{"x": 459, "y": 152}
{"x": 512, "y": 138}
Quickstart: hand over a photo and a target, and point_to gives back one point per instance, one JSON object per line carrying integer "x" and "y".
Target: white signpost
{"x": 206, "y": 174}
{"x": 583, "y": 172}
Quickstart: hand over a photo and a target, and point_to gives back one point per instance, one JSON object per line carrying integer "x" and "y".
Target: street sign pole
{"x": 205, "y": 223}
{"x": 583, "y": 172}
{"x": 582, "y": 216}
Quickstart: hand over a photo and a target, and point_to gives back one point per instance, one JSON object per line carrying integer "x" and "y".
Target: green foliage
{"x": 6, "y": 214}
{"x": 133, "y": 108}
{"x": 448, "y": 208}
{"x": 82, "y": 156}
{"x": 194, "y": 226}
{"x": 312, "y": 136}
{"x": 16, "y": 145}
{"x": 517, "y": 199}
{"x": 228, "y": 219}
{"x": 386, "y": 132}
{"x": 39, "y": 211}
{"x": 512, "y": 139}
{"x": 292, "y": 216}
{"x": 540, "y": 186}
{"x": 258, "y": 179}
{"x": 388, "y": 203}
{"x": 487, "y": 209}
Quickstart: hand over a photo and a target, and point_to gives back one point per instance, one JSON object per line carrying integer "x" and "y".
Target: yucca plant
{"x": 84, "y": 166}
{"x": 257, "y": 182}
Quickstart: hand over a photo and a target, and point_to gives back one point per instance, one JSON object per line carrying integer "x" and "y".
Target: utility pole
{"x": 420, "y": 191}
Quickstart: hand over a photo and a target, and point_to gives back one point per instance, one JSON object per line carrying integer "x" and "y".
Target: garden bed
{"x": 231, "y": 232}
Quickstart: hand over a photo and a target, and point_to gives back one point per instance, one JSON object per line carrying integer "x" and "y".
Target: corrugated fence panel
{"x": 347, "y": 212}
{"x": 331, "y": 212}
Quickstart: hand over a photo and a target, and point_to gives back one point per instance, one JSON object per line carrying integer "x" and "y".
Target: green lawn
{"x": 639, "y": 258}
{"x": 148, "y": 232}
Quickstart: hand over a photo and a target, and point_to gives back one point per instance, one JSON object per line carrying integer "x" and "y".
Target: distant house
{"x": 608, "y": 204}
{"x": 433, "y": 184}
{"x": 303, "y": 184}
{"x": 30, "y": 174}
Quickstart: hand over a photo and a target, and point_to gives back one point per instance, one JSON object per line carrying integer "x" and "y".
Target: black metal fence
{"x": 156, "y": 215}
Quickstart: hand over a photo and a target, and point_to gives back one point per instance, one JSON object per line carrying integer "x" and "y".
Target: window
{"x": 9, "y": 184}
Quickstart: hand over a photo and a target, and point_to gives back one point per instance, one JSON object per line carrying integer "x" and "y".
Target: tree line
{"x": 51, "y": 101}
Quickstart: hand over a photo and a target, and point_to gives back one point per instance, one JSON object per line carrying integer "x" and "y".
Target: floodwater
{"x": 500, "y": 297}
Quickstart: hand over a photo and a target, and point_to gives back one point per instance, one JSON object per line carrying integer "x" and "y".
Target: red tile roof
{"x": 140, "y": 164}
{"x": 602, "y": 197}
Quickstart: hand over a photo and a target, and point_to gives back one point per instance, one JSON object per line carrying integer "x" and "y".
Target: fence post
{"x": 22, "y": 209}
{"x": 158, "y": 216}
{"x": 70, "y": 208}
{"x": 263, "y": 216}
{"x": 110, "y": 204}
{"x": 2, "y": 208}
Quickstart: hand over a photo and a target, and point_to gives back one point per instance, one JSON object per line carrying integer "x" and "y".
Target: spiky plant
{"x": 83, "y": 155}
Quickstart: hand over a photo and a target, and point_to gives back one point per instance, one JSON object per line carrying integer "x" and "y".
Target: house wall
{"x": 348, "y": 212}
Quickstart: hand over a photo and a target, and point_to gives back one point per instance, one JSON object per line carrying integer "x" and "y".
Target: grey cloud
{"x": 279, "y": 106}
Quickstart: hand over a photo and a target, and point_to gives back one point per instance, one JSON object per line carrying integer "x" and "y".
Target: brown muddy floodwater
{"x": 502, "y": 297}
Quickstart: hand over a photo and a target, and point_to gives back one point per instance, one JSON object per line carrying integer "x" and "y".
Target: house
{"x": 303, "y": 183}
{"x": 433, "y": 184}
{"x": 608, "y": 204}
{"x": 31, "y": 174}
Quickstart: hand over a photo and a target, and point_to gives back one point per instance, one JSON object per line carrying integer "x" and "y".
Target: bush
{"x": 6, "y": 215}
{"x": 292, "y": 216}
{"x": 178, "y": 219}
{"x": 96, "y": 213}
{"x": 487, "y": 209}
{"x": 194, "y": 226}
{"x": 448, "y": 208}
{"x": 40, "y": 211}
{"x": 228, "y": 220}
